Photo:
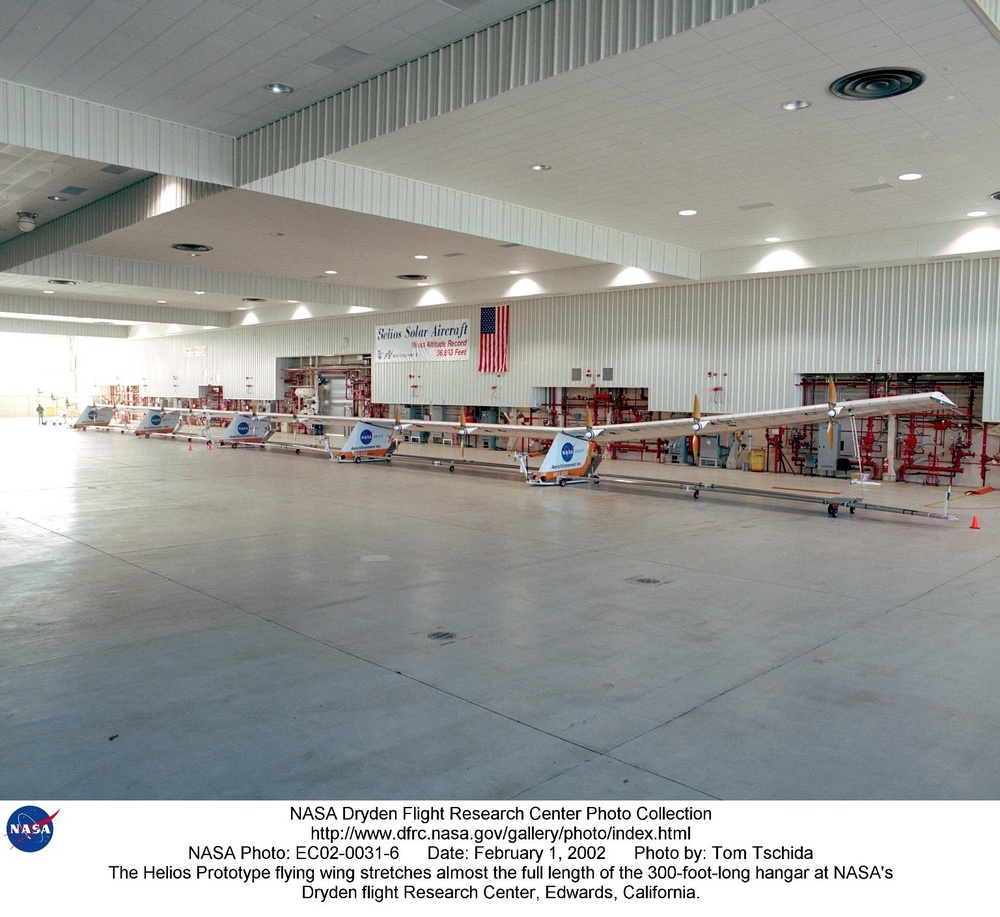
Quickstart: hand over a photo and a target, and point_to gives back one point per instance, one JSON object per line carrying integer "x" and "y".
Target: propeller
{"x": 696, "y": 439}
{"x": 398, "y": 424}
{"x": 831, "y": 397}
{"x": 463, "y": 431}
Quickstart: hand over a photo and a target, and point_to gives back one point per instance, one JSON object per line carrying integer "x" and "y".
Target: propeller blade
{"x": 464, "y": 432}
{"x": 831, "y": 397}
{"x": 696, "y": 439}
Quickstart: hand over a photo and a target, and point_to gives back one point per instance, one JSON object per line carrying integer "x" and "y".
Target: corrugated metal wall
{"x": 141, "y": 201}
{"x": 756, "y": 334}
{"x": 548, "y": 39}
{"x": 43, "y": 120}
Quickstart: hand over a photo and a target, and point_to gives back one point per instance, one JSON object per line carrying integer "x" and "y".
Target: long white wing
{"x": 816, "y": 413}
{"x": 678, "y": 426}
{"x": 751, "y": 420}
{"x": 780, "y": 417}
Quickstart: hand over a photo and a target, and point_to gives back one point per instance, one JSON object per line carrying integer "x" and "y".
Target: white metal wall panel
{"x": 9, "y": 326}
{"x": 43, "y": 120}
{"x": 989, "y": 12}
{"x": 552, "y": 38}
{"x": 758, "y": 335}
{"x": 157, "y": 194}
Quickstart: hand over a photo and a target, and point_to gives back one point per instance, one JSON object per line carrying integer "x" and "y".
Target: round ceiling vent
{"x": 253, "y": 299}
{"x": 880, "y": 83}
{"x": 411, "y": 276}
{"x": 191, "y": 247}
{"x": 64, "y": 283}
{"x": 995, "y": 195}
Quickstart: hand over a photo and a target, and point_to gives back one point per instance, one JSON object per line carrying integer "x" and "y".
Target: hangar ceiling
{"x": 696, "y": 121}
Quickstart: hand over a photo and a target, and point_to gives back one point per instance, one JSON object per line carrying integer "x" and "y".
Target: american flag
{"x": 494, "y": 336}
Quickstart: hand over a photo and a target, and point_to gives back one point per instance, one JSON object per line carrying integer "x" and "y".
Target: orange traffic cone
{"x": 975, "y": 523}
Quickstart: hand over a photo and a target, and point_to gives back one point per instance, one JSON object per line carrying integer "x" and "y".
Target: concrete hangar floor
{"x": 251, "y": 624}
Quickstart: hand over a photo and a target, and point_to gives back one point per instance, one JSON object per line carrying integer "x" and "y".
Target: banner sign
{"x": 422, "y": 341}
{"x": 199, "y": 350}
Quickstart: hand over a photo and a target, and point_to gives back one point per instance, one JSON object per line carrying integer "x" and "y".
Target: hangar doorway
{"x": 329, "y": 385}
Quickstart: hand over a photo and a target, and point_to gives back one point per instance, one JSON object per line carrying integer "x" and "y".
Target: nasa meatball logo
{"x": 366, "y": 437}
{"x": 155, "y": 420}
{"x": 29, "y": 828}
{"x": 243, "y": 428}
{"x": 567, "y": 452}
{"x": 92, "y": 415}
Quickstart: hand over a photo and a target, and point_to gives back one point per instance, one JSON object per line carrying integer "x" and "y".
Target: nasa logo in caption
{"x": 29, "y": 829}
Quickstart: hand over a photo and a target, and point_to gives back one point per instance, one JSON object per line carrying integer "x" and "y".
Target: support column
{"x": 890, "y": 448}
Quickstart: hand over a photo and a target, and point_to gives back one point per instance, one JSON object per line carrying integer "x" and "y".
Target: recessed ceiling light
{"x": 686, "y": 213}
{"x": 420, "y": 257}
{"x": 329, "y": 272}
{"x": 540, "y": 167}
{"x": 773, "y": 239}
{"x": 58, "y": 197}
{"x": 279, "y": 89}
{"x": 513, "y": 272}
{"x": 795, "y": 104}
{"x": 976, "y": 213}
{"x": 199, "y": 292}
{"x": 48, "y": 291}
{"x": 910, "y": 176}
{"x": 161, "y": 302}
